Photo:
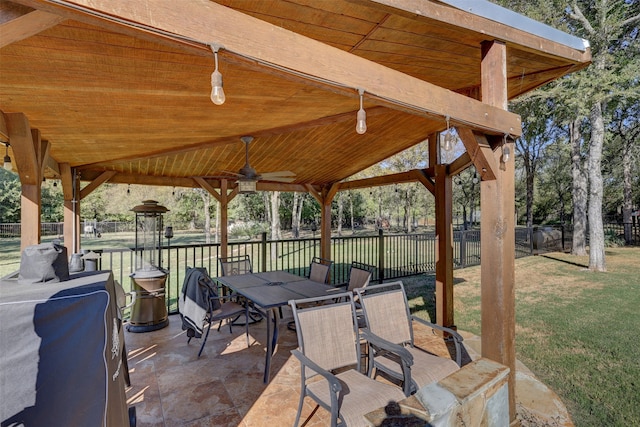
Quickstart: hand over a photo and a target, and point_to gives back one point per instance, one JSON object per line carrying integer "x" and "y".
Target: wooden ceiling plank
{"x": 252, "y": 38}
{"x": 17, "y": 24}
{"x": 89, "y": 188}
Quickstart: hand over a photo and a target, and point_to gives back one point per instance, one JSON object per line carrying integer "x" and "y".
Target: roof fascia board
{"x": 492, "y": 28}
{"x": 270, "y": 45}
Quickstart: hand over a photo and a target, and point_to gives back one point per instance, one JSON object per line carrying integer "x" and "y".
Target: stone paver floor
{"x": 171, "y": 386}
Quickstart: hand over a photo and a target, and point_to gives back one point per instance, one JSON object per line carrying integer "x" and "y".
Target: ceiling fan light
{"x": 246, "y": 186}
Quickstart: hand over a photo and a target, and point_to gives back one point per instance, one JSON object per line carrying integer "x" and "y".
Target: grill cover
{"x": 62, "y": 350}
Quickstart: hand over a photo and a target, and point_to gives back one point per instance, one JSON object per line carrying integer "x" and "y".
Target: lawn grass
{"x": 575, "y": 329}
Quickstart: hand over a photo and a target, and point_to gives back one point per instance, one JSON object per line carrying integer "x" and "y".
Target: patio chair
{"x": 319, "y": 269}
{"x": 360, "y": 275}
{"x": 240, "y": 264}
{"x": 387, "y": 317}
{"x": 326, "y": 343}
{"x": 202, "y": 306}
{"x": 234, "y": 265}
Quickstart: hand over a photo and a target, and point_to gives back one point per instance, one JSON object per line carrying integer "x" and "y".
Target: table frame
{"x": 269, "y": 291}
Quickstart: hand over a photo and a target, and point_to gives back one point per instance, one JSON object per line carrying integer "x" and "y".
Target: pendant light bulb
{"x": 217, "y": 92}
{"x": 506, "y": 153}
{"x": 449, "y": 139}
{"x": 361, "y": 124}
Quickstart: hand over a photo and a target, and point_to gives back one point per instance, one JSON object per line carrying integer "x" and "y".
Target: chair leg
{"x": 302, "y": 394}
{"x": 204, "y": 341}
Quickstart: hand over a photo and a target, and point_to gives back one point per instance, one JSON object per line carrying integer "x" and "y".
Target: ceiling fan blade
{"x": 277, "y": 174}
{"x": 278, "y": 178}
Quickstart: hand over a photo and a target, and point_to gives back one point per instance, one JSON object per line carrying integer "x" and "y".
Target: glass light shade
{"x": 506, "y": 153}
{"x": 361, "y": 125}
{"x": 246, "y": 186}
{"x": 7, "y": 163}
{"x": 449, "y": 141}
{"x": 217, "y": 92}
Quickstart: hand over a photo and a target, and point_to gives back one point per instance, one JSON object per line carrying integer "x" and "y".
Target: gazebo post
{"x": 498, "y": 233}
{"x": 29, "y": 152}
{"x": 444, "y": 254}
{"x": 70, "y": 188}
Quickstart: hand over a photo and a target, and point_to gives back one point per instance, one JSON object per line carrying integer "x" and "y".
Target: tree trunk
{"x": 407, "y": 213}
{"x": 275, "y": 223}
{"x": 627, "y": 196}
{"x": 295, "y": 218}
{"x": 578, "y": 193}
{"x": 353, "y": 227}
{"x": 267, "y": 207}
{"x": 596, "y": 230}
{"x": 206, "y": 198}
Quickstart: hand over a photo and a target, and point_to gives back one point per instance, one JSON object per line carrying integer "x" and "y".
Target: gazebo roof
{"x": 123, "y": 87}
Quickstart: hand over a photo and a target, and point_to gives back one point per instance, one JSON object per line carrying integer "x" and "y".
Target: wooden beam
{"x": 18, "y": 22}
{"x": 425, "y": 179}
{"x": 459, "y": 164}
{"x": 497, "y": 234}
{"x": 267, "y": 44}
{"x": 4, "y": 132}
{"x": 480, "y": 152}
{"x": 434, "y": 149}
{"x": 444, "y": 248}
{"x": 23, "y": 148}
{"x": 315, "y": 193}
{"x": 208, "y": 187}
{"x": 378, "y": 181}
{"x": 89, "y": 188}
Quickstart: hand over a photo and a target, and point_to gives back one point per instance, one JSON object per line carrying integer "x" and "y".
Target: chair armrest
{"x": 334, "y": 384}
{"x": 457, "y": 338}
{"x": 379, "y": 342}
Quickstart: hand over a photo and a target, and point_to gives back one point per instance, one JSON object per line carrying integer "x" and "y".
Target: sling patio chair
{"x": 360, "y": 274}
{"x": 319, "y": 270}
{"x": 239, "y": 264}
{"x": 329, "y": 341}
{"x": 201, "y": 306}
{"x": 387, "y": 317}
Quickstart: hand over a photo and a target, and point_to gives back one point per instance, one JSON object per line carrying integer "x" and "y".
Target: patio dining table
{"x": 269, "y": 291}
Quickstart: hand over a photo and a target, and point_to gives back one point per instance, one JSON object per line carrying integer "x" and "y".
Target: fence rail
{"x": 394, "y": 256}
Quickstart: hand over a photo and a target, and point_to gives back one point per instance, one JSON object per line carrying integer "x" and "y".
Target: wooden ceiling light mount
{"x": 217, "y": 91}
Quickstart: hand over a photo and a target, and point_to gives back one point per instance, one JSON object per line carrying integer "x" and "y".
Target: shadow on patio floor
{"x": 171, "y": 386}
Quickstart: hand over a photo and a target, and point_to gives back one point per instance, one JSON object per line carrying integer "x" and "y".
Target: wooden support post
{"x": 29, "y": 151}
{"x": 444, "y": 248}
{"x": 325, "y": 229}
{"x": 70, "y": 187}
{"x": 224, "y": 219}
{"x": 498, "y": 233}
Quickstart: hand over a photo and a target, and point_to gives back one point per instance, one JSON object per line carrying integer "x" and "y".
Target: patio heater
{"x": 149, "y": 311}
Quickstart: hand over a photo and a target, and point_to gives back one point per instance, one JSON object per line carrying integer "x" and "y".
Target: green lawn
{"x": 575, "y": 329}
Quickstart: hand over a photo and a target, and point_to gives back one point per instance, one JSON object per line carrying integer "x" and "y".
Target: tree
{"x": 9, "y": 197}
{"x": 611, "y": 29}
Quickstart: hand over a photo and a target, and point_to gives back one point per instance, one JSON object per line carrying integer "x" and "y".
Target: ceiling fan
{"x": 248, "y": 176}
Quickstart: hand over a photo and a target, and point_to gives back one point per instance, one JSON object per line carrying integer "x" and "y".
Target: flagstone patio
{"x": 171, "y": 386}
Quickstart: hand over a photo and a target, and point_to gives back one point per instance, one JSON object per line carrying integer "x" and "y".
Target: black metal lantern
{"x": 149, "y": 311}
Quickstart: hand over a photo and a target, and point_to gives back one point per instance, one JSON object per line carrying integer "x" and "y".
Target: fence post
{"x": 463, "y": 248}
{"x": 263, "y": 254}
{"x": 562, "y": 231}
{"x": 380, "y": 255}
{"x": 530, "y": 233}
